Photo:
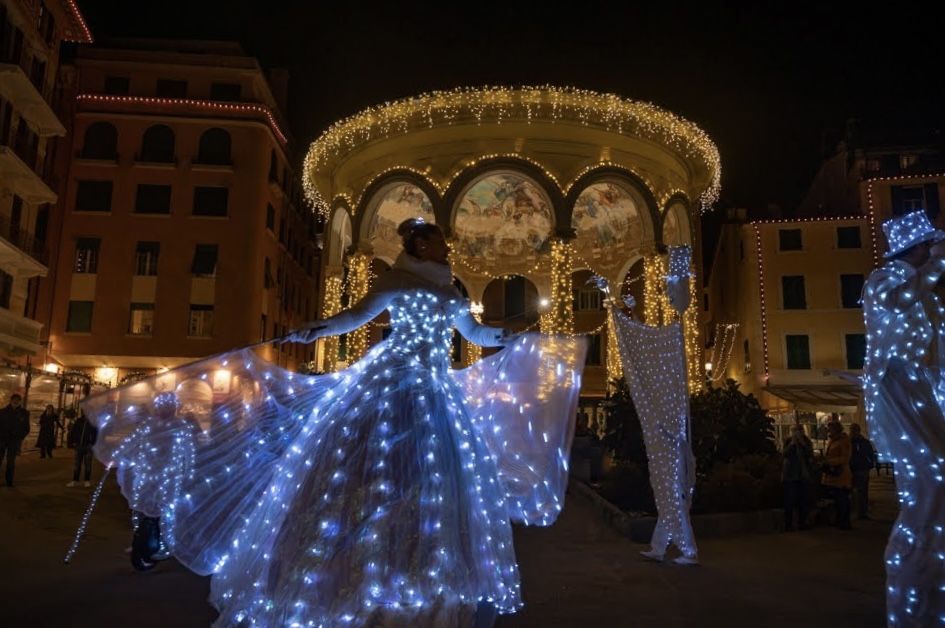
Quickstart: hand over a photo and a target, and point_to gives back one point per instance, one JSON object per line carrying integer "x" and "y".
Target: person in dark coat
{"x": 48, "y": 421}
{"x": 798, "y": 475}
{"x": 14, "y": 426}
{"x": 82, "y": 436}
{"x": 862, "y": 461}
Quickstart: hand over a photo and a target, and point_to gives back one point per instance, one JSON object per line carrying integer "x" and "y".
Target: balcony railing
{"x": 23, "y": 240}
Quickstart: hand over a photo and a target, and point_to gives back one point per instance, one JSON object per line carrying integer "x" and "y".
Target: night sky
{"x": 771, "y": 86}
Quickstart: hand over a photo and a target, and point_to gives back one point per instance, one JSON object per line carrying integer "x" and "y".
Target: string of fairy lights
{"x": 501, "y": 104}
{"x": 722, "y": 350}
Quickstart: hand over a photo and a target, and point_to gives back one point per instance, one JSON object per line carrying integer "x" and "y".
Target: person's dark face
{"x": 433, "y": 248}
{"x": 15, "y": 402}
{"x": 854, "y": 430}
{"x": 918, "y": 254}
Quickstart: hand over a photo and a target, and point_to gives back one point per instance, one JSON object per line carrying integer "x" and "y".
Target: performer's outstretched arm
{"x": 361, "y": 313}
{"x": 480, "y": 334}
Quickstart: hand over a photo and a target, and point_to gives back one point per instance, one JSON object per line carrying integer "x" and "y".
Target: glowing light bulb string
{"x": 83, "y": 524}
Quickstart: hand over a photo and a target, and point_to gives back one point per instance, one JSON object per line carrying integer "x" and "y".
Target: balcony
{"x": 29, "y": 101}
{"x": 18, "y": 176}
{"x": 19, "y": 333}
{"x": 20, "y": 250}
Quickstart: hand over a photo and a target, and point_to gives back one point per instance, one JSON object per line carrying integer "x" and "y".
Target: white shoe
{"x": 71, "y": 484}
{"x": 87, "y": 484}
{"x": 652, "y": 555}
{"x": 686, "y": 560}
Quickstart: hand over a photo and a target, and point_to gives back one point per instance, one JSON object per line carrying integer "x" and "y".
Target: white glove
{"x": 304, "y": 335}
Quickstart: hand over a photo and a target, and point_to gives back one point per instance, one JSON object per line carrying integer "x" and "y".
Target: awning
{"x": 817, "y": 396}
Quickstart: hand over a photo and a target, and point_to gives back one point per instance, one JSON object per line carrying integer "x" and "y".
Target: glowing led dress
{"x": 380, "y": 495}
{"x": 904, "y": 405}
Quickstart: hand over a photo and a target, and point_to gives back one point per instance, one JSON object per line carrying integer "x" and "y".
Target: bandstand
{"x": 536, "y": 189}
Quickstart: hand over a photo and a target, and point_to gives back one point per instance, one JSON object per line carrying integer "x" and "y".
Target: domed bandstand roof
{"x": 504, "y": 170}
{"x": 512, "y": 176}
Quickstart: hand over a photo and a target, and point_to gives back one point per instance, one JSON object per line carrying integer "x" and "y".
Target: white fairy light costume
{"x": 379, "y": 495}
{"x": 903, "y": 390}
{"x": 654, "y": 364}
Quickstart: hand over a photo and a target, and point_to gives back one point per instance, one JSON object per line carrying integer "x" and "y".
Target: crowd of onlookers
{"x": 15, "y": 428}
{"x": 842, "y": 473}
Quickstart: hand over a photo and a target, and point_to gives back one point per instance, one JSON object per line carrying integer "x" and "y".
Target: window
{"x": 6, "y": 289}
{"x": 157, "y": 144}
{"x": 101, "y": 142}
{"x": 117, "y": 85}
{"x": 848, "y": 238}
{"x": 80, "y": 316}
{"x": 792, "y": 289}
{"x": 93, "y": 196}
{"x": 910, "y": 198}
{"x": 210, "y": 201}
{"x": 851, "y": 288}
{"x": 201, "y": 321}
{"x": 214, "y": 148}
{"x": 168, "y": 88}
{"x": 587, "y": 298}
{"x": 747, "y": 356}
{"x": 42, "y": 223}
{"x": 146, "y": 259}
{"x": 270, "y": 218}
{"x": 153, "y": 199}
{"x": 262, "y": 328}
{"x": 908, "y": 160}
{"x": 273, "y": 167}
{"x": 47, "y": 24}
{"x": 205, "y": 260}
{"x": 225, "y": 91}
{"x": 798, "y": 352}
{"x": 593, "y": 351}
{"x": 86, "y": 255}
{"x": 267, "y": 274}
{"x": 789, "y": 240}
{"x": 856, "y": 350}
{"x": 514, "y": 297}
{"x": 16, "y": 218}
{"x": 141, "y": 321}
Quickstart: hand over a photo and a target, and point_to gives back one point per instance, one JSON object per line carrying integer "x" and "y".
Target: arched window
{"x": 157, "y": 145}
{"x": 214, "y": 147}
{"x": 101, "y": 141}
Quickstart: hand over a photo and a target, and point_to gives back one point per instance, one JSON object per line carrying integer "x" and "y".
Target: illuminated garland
{"x": 691, "y": 327}
{"x": 474, "y": 351}
{"x": 614, "y": 367}
{"x": 207, "y": 105}
{"x": 722, "y": 349}
{"x": 763, "y": 306}
{"x": 499, "y": 104}
{"x": 86, "y": 35}
{"x": 657, "y": 310}
{"x": 359, "y": 282}
{"x": 334, "y": 287}
{"x": 560, "y": 318}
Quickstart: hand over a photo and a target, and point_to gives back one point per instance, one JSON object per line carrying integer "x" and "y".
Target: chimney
{"x": 279, "y": 84}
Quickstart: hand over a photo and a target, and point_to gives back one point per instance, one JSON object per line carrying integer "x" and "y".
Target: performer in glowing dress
{"x": 379, "y": 495}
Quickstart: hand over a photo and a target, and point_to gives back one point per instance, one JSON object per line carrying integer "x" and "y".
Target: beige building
{"x": 182, "y": 232}
{"x": 793, "y": 289}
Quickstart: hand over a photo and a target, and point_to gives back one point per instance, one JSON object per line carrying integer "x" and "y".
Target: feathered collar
{"x": 437, "y": 274}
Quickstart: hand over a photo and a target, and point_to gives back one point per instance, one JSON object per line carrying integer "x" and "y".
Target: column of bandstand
{"x": 658, "y": 311}
{"x": 334, "y": 285}
{"x": 359, "y": 282}
{"x": 560, "y": 316}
